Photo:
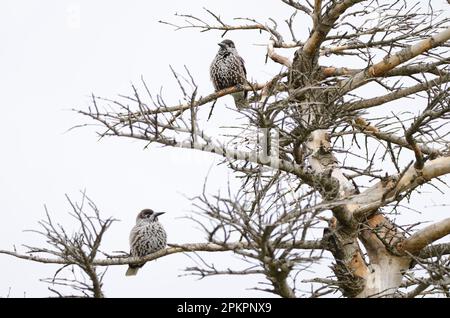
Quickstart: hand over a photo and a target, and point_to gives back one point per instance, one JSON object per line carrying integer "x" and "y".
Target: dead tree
{"x": 298, "y": 199}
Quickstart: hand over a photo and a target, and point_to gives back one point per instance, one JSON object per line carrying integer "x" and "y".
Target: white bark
{"x": 384, "y": 274}
{"x": 317, "y": 143}
{"x": 384, "y": 277}
{"x": 385, "y": 192}
{"x": 426, "y": 236}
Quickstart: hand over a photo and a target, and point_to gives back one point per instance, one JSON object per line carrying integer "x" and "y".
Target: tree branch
{"x": 325, "y": 24}
{"x": 435, "y": 250}
{"x": 391, "y": 61}
{"x": 388, "y": 190}
{"x": 172, "y": 249}
{"x": 277, "y": 58}
{"x": 368, "y": 130}
{"x": 416, "y": 242}
{"x": 376, "y": 101}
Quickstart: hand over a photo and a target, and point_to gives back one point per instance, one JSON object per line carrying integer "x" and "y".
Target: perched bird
{"x": 146, "y": 237}
{"x": 227, "y": 70}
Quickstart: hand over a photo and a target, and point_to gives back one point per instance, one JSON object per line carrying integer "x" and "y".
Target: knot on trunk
{"x": 349, "y": 283}
{"x": 350, "y": 268}
{"x": 327, "y": 185}
{"x": 305, "y": 69}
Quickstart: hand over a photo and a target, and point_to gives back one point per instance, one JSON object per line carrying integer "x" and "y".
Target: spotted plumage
{"x": 146, "y": 237}
{"x": 228, "y": 69}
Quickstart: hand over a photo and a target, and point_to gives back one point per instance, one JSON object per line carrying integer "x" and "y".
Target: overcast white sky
{"x": 53, "y": 55}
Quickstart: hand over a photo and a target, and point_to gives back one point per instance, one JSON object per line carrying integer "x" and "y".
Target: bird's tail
{"x": 240, "y": 99}
{"x": 131, "y": 271}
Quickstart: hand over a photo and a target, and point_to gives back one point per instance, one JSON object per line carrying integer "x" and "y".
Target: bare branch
{"x": 426, "y": 236}
{"x": 390, "y": 62}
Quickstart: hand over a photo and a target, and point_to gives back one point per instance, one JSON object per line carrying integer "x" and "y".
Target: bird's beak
{"x": 159, "y": 213}
{"x": 221, "y": 45}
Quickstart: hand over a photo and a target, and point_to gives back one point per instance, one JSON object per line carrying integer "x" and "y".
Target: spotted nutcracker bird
{"x": 227, "y": 70}
{"x": 146, "y": 237}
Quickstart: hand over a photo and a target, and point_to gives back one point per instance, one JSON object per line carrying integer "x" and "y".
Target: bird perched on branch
{"x": 227, "y": 70}
{"x": 146, "y": 237}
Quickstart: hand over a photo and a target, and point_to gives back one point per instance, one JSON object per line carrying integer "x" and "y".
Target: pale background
{"x": 53, "y": 55}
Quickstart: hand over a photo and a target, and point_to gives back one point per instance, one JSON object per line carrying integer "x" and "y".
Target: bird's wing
{"x": 243, "y": 66}
{"x": 245, "y": 74}
{"x": 133, "y": 233}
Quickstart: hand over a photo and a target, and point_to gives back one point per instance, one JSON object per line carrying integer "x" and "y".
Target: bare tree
{"x": 75, "y": 252}
{"x": 290, "y": 154}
